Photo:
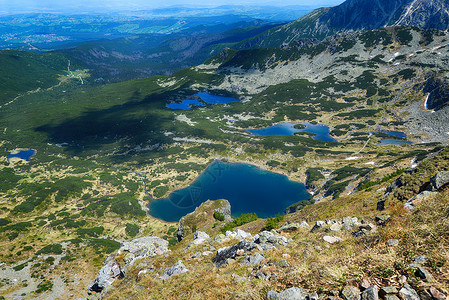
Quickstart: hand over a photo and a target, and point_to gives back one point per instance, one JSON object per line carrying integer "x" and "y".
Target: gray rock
{"x": 268, "y": 237}
{"x": 318, "y": 225}
{"x": 331, "y": 239}
{"x": 242, "y": 234}
{"x": 283, "y": 263}
{"x": 176, "y": 269}
{"x": 423, "y": 274}
{"x": 336, "y": 227}
{"x": 415, "y": 200}
{"x": 200, "y": 235}
{"x": 392, "y": 242}
{"x": 371, "y": 293}
{"x": 106, "y": 276}
{"x": 408, "y": 293}
{"x": 304, "y": 224}
{"x": 313, "y": 296}
{"x": 391, "y": 297}
{"x": 422, "y": 259}
{"x": 293, "y": 293}
{"x": 388, "y": 290}
{"x": 226, "y": 253}
{"x": 436, "y": 294}
{"x": 221, "y": 238}
{"x": 289, "y": 227}
{"x": 350, "y": 292}
{"x": 439, "y": 180}
{"x": 253, "y": 260}
{"x": 364, "y": 284}
{"x": 147, "y": 246}
{"x": 382, "y": 219}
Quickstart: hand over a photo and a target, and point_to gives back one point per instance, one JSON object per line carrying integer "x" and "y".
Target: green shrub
{"x": 4, "y": 222}
{"x": 271, "y": 223}
{"x": 243, "y": 219}
{"x": 92, "y": 232}
{"x": 44, "y": 286}
{"x": 51, "y": 249}
{"x": 218, "y": 216}
{"x": 131, "y": 229}
{"x": 107, "y": 246}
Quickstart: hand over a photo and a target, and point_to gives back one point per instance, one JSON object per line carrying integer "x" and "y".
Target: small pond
{"x": 394, "y": 133}
{"x": 320, "y": 131}
{"x": 394, "y": 142}
{"x": 248, "y": 189}
{"x": 24, "y": 154}
{"x": 206, "y": 97}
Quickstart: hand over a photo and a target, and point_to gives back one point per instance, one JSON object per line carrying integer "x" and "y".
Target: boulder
{"x": 241, "y": 234}
{"x": 391, "y": 297}
{"x": 382, "y": 219}
{"x": 350, "y": 292}
{"x": 253, "y": 260}
{"x": 293, "y": 293}
{"x": 336, "y": 227}
{"x": 200, "y": 235}
{"x": 408, "y": 293}
{"x": 331, "y": 239}
{"x": 147, "y": 246}
{"x": 289, "y": 227}
{"x": 439, "y": 180}
{"x": 436, "y": 294}
{"x": 199, "y": 238}
{"x": 318, "y": 225}
{"x": 387, "y": 291}
{"x": 371, "y": 293}
{"x": 423, "y": 274}
{"x": 304, "y": 225}
{"x": 176, "y": 269}
{"x": 221, "y": 238}
{"x": 225, "y": 253}
{"x": 283, "y": 263}
{"x": 392, "y": 242}
{"x": 415, "y": 200}
{"x": 106, "y": 276}
{"x": 270, "y": 239}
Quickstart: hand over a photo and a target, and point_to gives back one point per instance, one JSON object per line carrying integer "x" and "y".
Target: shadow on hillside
{"x": 139, "y": 120}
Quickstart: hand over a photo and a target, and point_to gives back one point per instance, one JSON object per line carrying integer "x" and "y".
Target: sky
{"x": 15, "y": 6}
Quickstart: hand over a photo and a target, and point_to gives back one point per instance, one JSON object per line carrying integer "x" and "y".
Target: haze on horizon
{"x": 75, "y": 6}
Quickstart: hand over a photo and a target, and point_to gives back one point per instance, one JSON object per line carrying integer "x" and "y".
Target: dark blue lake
{"x": 321, "y": 132}
{"x": 394, "y": 133}
{"x": 248, "y": 189}
{"x": 23, "y": 154}
{"x": 185, "y": 105}
{"x": 206, "y": 97}
{"x": 394, "y": 142}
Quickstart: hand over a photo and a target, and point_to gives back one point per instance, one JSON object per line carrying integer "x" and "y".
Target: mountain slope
{"x": 357, "y": 15}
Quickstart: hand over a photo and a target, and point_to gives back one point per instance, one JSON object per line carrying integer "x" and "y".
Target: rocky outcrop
{"x": 201, "y": 214}
{"x": 106, "y": 276}
{"x": 226, "y": 253}
{"x": 148, "y": 246}
{"x": 440, "y": 180}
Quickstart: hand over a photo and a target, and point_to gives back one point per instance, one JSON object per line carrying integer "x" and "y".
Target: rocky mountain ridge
{"x": 353, "y": 15}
